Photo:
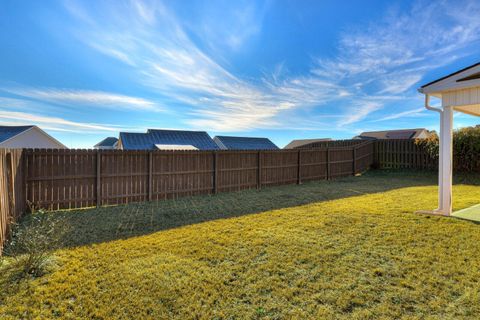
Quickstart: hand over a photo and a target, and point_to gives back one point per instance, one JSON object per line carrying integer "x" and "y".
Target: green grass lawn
{"x": 345, "y": 249}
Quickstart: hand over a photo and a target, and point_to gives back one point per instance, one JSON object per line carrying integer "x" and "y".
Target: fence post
{"x": 328, "y": 163}
{"x": 354, "y": 162}
{"x": 259, "y": 171}
{"x": 215, "y": 171}
{"x": 8, "y": 171}
{"x": 24, "y": 160}
{"x": 99, "y": 187}
{"x": 150, "y": 176}
{"x": 299, "y": 178}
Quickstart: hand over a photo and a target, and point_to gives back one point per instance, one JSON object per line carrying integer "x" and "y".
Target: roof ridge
{"x": 243, "y": 137}
{"x": 177, "y": 130}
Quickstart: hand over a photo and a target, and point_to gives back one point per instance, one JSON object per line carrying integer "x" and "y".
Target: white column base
{"x": 435, "y": 212}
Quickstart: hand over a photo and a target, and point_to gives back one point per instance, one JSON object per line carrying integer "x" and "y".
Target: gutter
{"x": 429, "y": 107}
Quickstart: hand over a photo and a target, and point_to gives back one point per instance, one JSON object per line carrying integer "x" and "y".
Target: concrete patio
{"x": 471, "y": 213}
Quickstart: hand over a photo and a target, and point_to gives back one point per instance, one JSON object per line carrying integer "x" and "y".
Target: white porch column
{"x": 440, "y": 166}
{"x": 446, "y": 161}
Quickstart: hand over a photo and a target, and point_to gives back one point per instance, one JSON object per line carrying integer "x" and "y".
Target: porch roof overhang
{"x": 459, "y": 90}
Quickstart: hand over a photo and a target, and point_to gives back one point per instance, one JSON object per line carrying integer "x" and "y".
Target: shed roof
{"x": 244, "y": 143}
{"x": 147, "y": 141}
{"x": 107, "y": 142}
{"x": 393, "y": 134}
{"x": 8, "y": 132}
{"x": 301, "y": 142}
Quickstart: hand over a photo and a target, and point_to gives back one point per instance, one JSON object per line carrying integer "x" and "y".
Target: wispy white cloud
{"x": 241, "y": 22}
{"x": 392, "y": 56}
{"x": 360, "y": 111}
{"x": 409, "y": 113}
{"x": 52, "y": 123}
{"x": 16, "y": 111}
{"x": 400, "y": 83}
{"x": 375, "y": 65}
{"x": 85, "y": 97}
{"x": 170, "y": 62}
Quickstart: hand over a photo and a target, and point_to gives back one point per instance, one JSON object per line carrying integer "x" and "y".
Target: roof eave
{"x": 450, "y": 75}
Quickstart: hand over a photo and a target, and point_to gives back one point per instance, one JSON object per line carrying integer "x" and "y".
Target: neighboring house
{"x": 244, "y": 143}
{"x": 107, "y": 144}
{"x": 420, "y": 133}
{"x": 27, "y": 137}
{"x": 294, "y": 144}
{"x": 155, "y": 139}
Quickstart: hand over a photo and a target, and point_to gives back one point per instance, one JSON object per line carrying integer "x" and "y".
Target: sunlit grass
{"x": 362, "y": 256}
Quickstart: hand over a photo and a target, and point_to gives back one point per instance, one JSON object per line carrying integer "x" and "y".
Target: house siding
{"x": 32, "y": 138}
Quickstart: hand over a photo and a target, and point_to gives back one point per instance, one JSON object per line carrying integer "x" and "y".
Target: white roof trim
{"x": 451, "y": 83}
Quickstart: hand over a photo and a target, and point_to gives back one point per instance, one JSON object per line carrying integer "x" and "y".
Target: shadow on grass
{"x": 97, "y": 225}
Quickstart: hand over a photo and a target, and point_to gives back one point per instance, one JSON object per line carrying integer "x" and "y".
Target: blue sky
{"x": 84, "y": 70}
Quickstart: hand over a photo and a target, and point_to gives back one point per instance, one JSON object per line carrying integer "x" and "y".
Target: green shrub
{"x": 28, "y": 251}
{"x": 466, "y": 148}
{"x": 430, "y": 144}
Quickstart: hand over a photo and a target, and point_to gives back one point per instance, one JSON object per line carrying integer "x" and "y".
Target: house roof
{"x": 147, "y": 141}
{"x": 301, "y": 142}
{"x": 8, "y": 132}
{"x": 107, "y": 142}
{"x": 393, "y": 134}
{"x": 244, "y": 143}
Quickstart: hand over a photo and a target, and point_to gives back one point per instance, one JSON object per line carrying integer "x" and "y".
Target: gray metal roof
{"x": 244, "y": 143}
{"x": 7, "y": 132}
{"x": 147, "y": 141}
{"x": 107, "y": 142}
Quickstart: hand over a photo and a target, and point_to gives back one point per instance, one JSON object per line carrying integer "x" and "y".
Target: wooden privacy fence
{"x": 403, "y": 154}
{"x": 67, "y": 179}
{"x": 389, "y": 153}
{"x": 12, "y": 202}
